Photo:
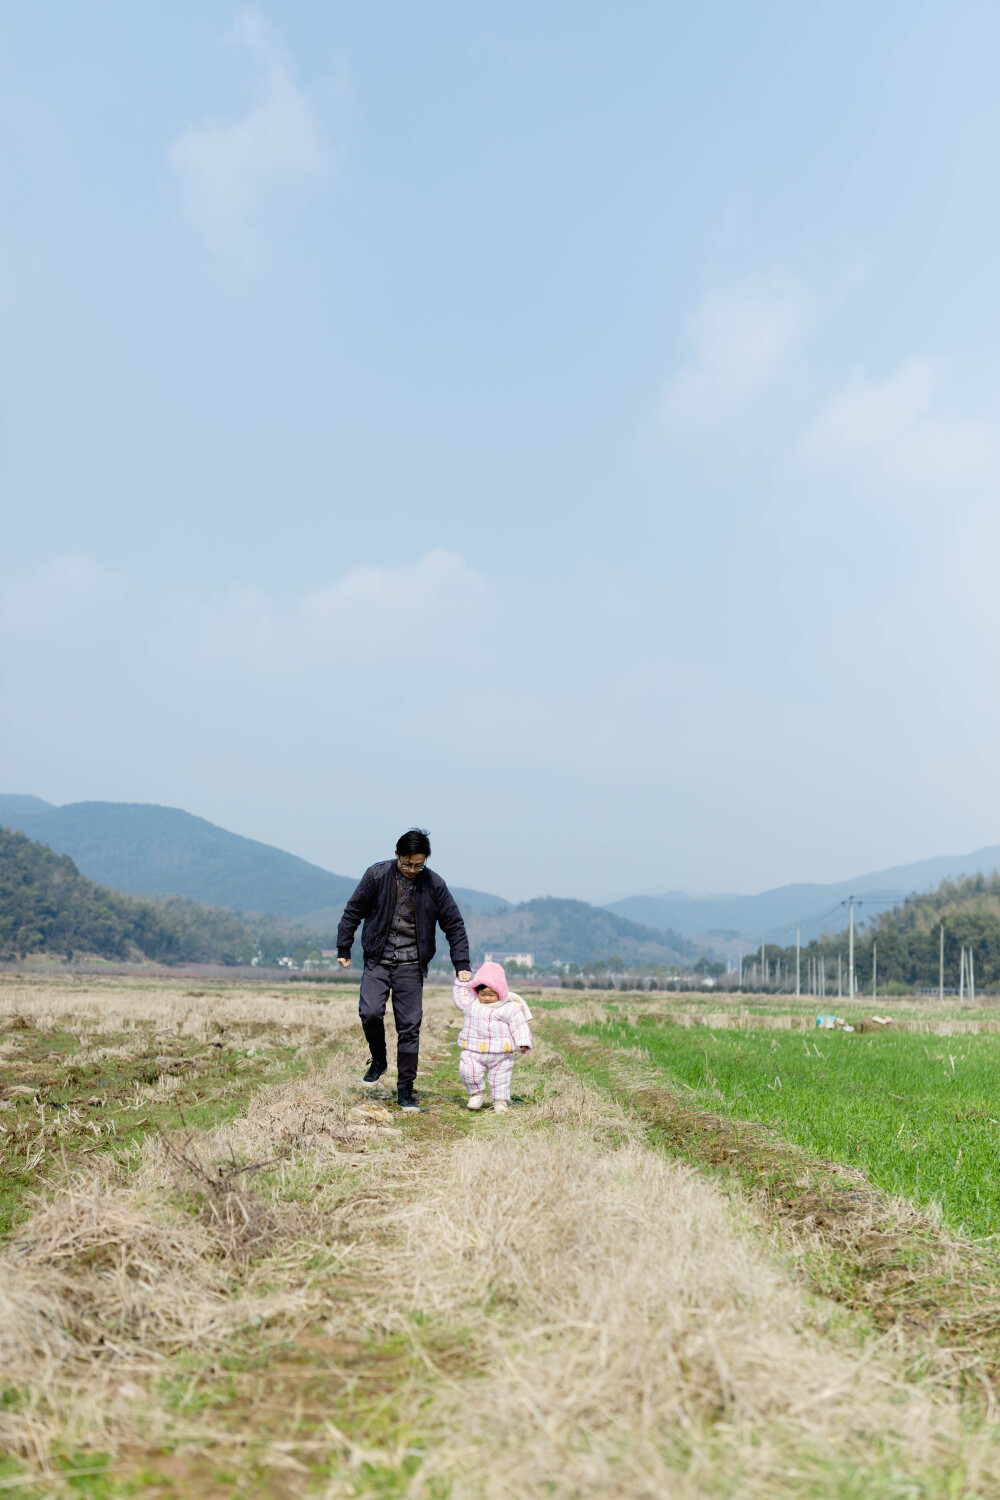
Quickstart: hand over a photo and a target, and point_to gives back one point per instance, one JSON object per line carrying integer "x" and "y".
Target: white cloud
{"x": 746, "y": 341}
{"x": 58, "y": 598}
{"x": 225, "y": 168}
{"x": 856, "y": 492}
{"x": 972, "y": 583}
{"x": 439, "y": 631}
{"x": 899, "y": 429}
{"x": 371, "y": 603}
{"x": 869, "y": 532}
{"x": 245, "y": 634}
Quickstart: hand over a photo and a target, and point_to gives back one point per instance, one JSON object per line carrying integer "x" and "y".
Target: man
{"x": 400, "y": 902}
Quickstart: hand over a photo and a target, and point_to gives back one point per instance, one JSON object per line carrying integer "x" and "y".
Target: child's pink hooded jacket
{"x": 494, "y": 1028}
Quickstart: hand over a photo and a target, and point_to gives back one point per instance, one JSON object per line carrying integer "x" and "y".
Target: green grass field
{"x": 919, "y": 1115}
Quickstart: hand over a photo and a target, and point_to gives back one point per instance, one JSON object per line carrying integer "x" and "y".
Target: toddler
{"x": 495, "y": 1026}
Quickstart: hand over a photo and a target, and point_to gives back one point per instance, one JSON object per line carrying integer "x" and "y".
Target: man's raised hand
{"x": 345, "y": 963}
{"x": 463, "y": 976}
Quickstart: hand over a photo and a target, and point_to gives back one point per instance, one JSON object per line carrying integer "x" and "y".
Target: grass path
{"x": 317, "y": 1296}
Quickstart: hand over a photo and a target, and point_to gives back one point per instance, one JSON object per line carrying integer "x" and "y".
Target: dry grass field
{"x": 228, "y": 1273}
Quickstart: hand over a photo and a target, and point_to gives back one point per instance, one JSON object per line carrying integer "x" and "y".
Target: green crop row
{"x": 920, "y": 1116}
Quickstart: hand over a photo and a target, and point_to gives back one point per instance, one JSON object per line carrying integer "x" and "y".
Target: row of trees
{"x": 908, "y": 940}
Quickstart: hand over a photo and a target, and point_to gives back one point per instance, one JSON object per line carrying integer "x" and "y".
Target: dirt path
{"x": 322, "y": 1297}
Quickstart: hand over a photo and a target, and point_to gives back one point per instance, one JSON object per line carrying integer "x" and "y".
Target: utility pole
{"x": 850, "y": 962}
{"x": 972, "y": 980}
{"x": 763, "y": 966}
{"x": 941, "y": 969}
{"x": 961, "y": 978}
{"x": 874, "y": 969}
{"x": 741, "y": 968}
{"x": 840, "y": 976}
{"x": 798, "y": 975}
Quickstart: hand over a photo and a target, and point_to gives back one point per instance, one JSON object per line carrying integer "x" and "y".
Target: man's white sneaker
{"x": 500, "y": 1106}
{"x": 476, "y": 1101}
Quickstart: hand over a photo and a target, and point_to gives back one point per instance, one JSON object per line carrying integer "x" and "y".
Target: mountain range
{"x": 147, "y": 850}
{"x": 165, "y": 853}
{"x": 150, "y": 851}
{"x": 720, "y": 921}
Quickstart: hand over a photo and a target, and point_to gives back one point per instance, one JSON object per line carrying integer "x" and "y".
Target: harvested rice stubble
{"x": 625, "y": 1330}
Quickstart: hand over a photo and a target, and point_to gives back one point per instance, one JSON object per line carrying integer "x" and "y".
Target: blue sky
{"x": 571, "y": 427}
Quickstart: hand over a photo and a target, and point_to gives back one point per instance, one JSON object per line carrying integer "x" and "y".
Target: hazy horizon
{"x": 572, "y": 431}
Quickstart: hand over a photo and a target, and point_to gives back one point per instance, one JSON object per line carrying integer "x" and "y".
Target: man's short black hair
{"x": 414, "y": 841}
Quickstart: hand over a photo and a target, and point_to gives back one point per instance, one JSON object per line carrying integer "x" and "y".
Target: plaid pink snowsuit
{"x": 491, "y": 1034}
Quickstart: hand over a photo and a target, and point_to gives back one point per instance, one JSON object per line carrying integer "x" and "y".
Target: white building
{"x": 525, "y": 960}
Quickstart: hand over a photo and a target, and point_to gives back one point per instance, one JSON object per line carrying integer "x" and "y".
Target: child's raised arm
{"x": 463, "y": 995}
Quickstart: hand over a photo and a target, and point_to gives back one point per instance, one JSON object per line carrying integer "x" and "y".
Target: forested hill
{"x": 909, "y": 937}
{"x": 574, "y": 932}
{"x": 163, "y": 851}
{"x": 47, "y": 906}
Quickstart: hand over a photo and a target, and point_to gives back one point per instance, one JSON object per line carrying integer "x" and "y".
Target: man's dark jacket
{"x": 374, "y": 902}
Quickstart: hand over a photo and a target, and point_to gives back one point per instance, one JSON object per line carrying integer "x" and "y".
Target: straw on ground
{"x": 313, "y": 1297}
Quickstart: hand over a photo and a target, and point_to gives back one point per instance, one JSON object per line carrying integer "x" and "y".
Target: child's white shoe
{"x": 500, "y": 1106}
{"x": 476, "y": 1101}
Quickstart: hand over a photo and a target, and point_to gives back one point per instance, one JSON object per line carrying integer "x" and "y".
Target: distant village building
{"x": 328, "y": 953}
{"x": 526, "y": 960}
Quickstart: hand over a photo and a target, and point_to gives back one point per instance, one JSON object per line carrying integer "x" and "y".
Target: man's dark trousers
{"x": 406, "y": 983}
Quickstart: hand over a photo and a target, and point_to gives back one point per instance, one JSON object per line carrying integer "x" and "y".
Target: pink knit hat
{"x": 494, "y": 976}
